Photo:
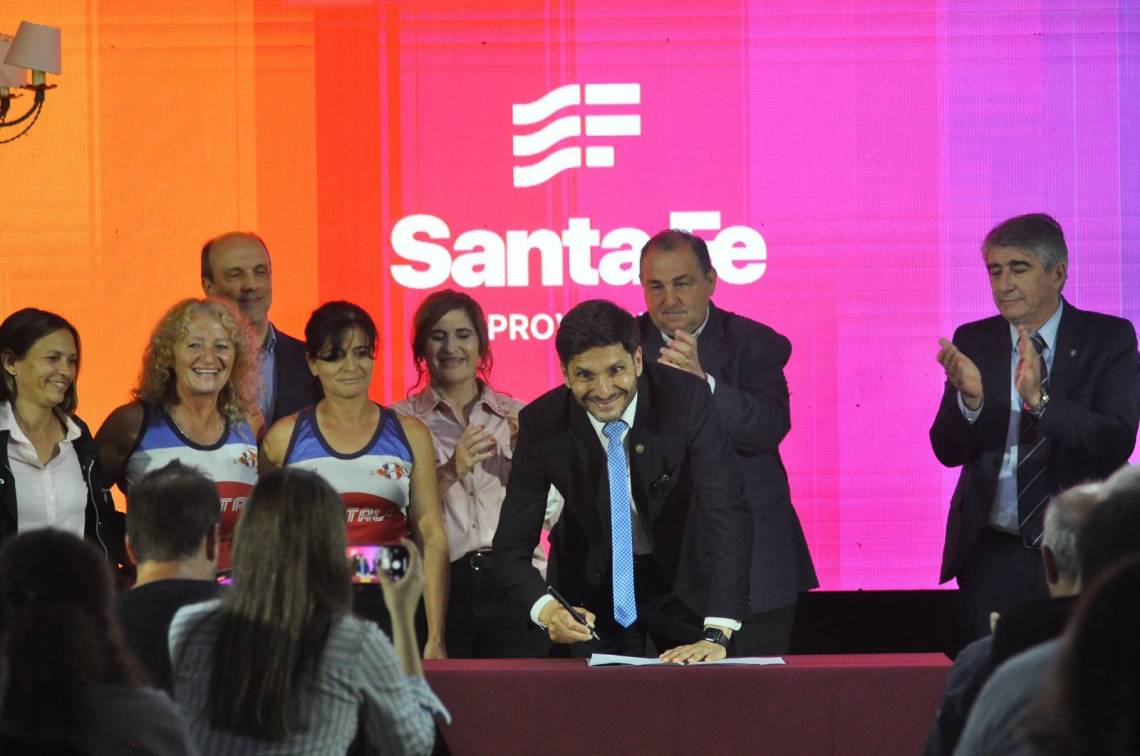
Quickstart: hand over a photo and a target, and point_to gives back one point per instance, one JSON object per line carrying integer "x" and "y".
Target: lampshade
{"x": 36, "y": 47}
{"x": 10, "y": 76}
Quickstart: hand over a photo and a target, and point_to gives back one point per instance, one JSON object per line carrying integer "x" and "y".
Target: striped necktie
{"x": 625, "y": 601}
{"x": 1034, "y": 486}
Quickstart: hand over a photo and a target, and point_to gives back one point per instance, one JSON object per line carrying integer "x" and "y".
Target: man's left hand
{"x": 702, "y": 650}
{"x": 1028, "y": 375}
{"x": 681, "y": 353}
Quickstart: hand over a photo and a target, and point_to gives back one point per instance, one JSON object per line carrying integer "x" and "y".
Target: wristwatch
{"x": 1036, "y": 409}
{"x": 717, "y": 636}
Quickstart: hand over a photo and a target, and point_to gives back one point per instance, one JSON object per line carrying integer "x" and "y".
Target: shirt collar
{"x": 428, "y": 400}
{"x": 270, "y": 340}
{"x": 627, "y": 418}
{"x": 1048, "y": 330}
{"x": 8, "y": 423}
{"x": 697, "y": 333}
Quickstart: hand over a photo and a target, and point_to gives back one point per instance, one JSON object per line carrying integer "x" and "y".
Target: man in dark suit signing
{"x": 236, "y": 266}
{"x": 743, "y": 363}
{"x": 653, "y": 539}
{"x": 1038, "y": 399}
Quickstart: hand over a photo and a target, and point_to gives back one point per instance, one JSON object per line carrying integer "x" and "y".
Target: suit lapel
{"x": 710, "y": 344}
{"x": 590, "y": 463}
{"x": 1067, "y": 351}
{"x": 644, "y": 448}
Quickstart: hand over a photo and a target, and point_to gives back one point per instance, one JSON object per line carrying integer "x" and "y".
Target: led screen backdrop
{"x": 843, "y": 159}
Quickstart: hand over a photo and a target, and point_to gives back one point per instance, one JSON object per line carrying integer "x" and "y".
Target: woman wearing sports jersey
{"x": 196, "y": 401}
{"x": 380, "y": 463}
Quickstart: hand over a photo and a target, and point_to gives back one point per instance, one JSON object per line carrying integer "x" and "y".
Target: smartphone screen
{"x": 367, "y": 561}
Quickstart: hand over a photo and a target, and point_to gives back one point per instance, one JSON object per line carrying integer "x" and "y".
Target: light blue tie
{"x": 625, "y": 602}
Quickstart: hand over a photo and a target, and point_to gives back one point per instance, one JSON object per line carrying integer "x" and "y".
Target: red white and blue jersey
{"x": 231, "y": 463}
{"x": 374, "y": 483}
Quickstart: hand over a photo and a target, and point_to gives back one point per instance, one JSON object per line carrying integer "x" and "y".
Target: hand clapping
{"x": 474, "y": 446}
{"x": 681, "y": 353}
{"x": 962, "y": 373}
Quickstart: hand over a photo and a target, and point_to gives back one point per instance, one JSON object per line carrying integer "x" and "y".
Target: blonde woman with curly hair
{"x": 196, "y": 401}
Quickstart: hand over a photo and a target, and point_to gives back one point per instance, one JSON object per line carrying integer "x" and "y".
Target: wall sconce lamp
{"x": 36, "y": 48}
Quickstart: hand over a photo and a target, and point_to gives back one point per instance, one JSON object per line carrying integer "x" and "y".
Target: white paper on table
{"x": 603, "y": 660}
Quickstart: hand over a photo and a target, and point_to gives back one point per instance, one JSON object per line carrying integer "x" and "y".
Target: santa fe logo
{"x": 535, "y": 143}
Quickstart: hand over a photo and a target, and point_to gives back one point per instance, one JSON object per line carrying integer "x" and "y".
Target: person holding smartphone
{"x": 287, "y": 624}
{"x": 378, "y": 461}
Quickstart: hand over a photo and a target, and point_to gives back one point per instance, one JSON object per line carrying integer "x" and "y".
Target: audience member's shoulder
{"x": 192, "y": 613}
{"x": 1027, "y": 667}
{"x": 134, "y": 720}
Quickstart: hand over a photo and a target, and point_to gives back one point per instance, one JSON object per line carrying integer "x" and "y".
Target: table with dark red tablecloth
{"x": 858, "y": 704}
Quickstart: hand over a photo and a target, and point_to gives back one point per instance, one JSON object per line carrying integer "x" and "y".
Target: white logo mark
{"x": 571, "y": 127}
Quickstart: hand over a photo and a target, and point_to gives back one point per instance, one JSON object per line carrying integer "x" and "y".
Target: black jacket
{"x": 684, "y": 482}
{"x": 104, "y": 525}
{"x": 747, "y": 359}
{"x": 1093, "y": 413}
{"x": 296, "y": 386}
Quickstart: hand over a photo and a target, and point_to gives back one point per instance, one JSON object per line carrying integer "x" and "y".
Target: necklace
{"x": 178, "y": 425}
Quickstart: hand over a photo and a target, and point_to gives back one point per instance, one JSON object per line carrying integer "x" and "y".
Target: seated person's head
{"x": 291, "y": 583}
{"x": 1063, "y": 520}
{"x": 1112, "y": 529}
{"x": 172, "y": 516}
{"x": 291, "y": 538}
{"x": 1092, "y": 696}
{"x": 58, "y": 634}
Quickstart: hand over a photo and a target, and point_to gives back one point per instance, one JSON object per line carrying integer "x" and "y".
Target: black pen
{"x": 566, "y": 605}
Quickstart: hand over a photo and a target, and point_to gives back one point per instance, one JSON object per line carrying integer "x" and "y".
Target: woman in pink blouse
{"x": 473, "y": 430}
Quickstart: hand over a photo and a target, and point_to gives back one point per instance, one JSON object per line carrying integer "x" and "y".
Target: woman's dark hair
{"x": 429, "y": 313}
{"x": 595, "y": 323}
{"x": 331, "y": 326}
{"x": 1091, "y": 701}
{"x": 58, "y": 633}
{"x": 19, "y": 332}
{"x": 291, "y": 584}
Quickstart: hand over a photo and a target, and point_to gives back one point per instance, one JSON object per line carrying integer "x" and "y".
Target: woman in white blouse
{"x": 49, "y": 472}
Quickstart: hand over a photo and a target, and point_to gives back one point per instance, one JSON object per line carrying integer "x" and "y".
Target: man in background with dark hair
{"x": 743, "y": 363}
{"x": 236, "y": 266}
{"x": 654, "y": 537}
{"x": 172, "y": 522}
{"x": 1037, "y": 399}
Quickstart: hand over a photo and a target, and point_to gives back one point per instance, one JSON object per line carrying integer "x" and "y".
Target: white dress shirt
{"x": 52, "y": 495}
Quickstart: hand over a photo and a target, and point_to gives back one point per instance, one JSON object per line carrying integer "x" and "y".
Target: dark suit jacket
{"x": 1091, "y": 420}
{"x": 746, "y": 359}
{"x": 683, "y": 483}
{"x": 296, "y": 386}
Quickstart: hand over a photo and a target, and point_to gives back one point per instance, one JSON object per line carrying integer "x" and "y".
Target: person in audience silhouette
{"x": 280, "y": 662}
{"x": 71, "y": 684}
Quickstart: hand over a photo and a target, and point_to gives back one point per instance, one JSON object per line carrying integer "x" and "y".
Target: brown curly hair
{"x": 156, "y": 387}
